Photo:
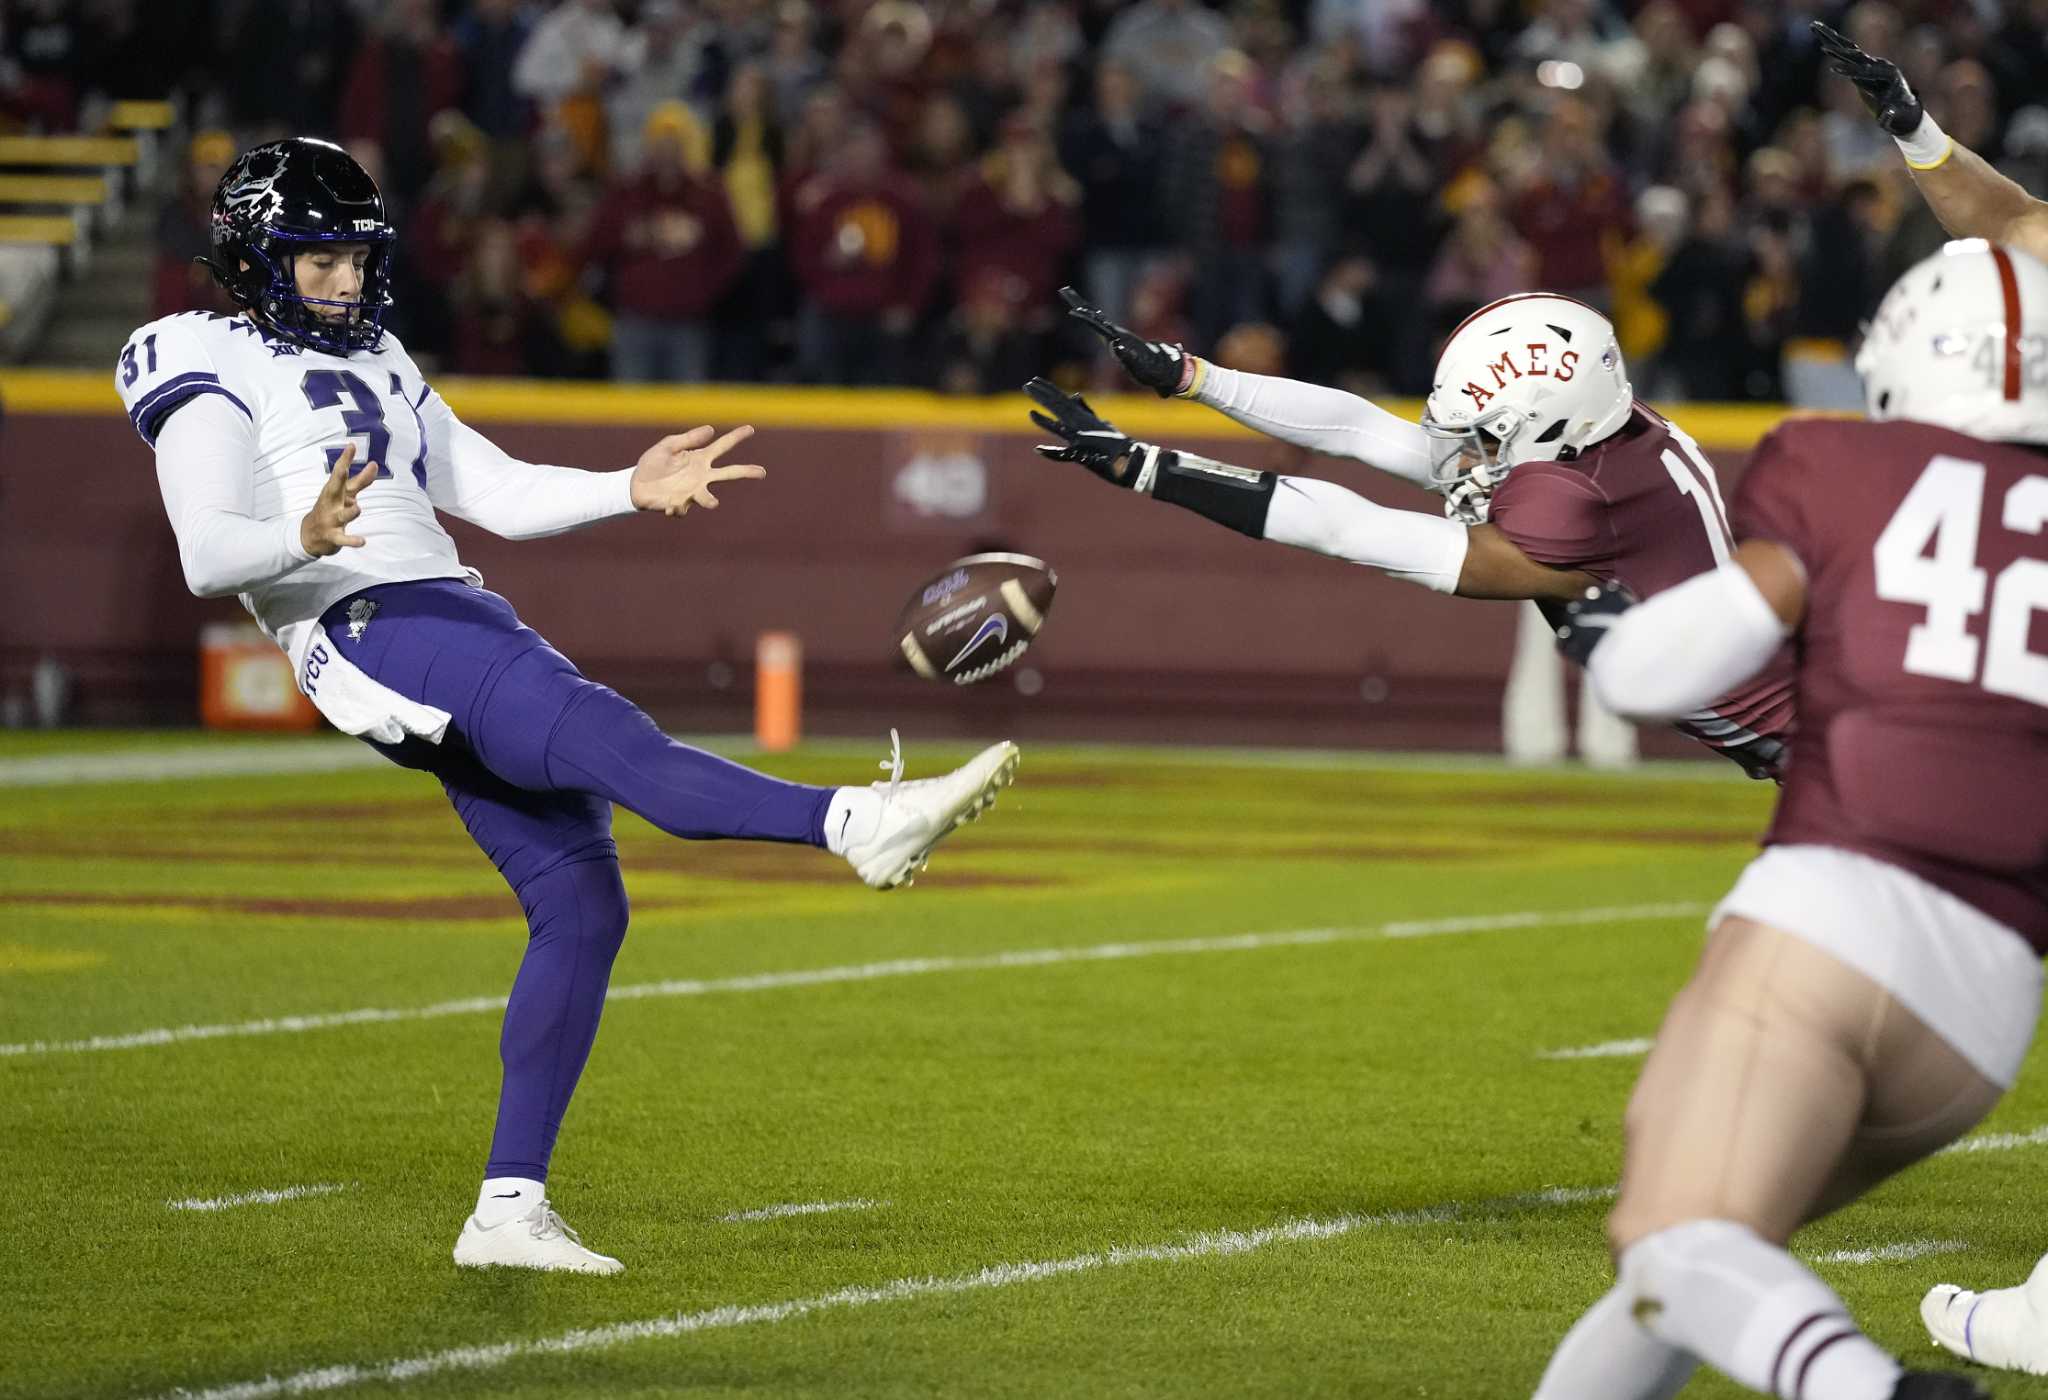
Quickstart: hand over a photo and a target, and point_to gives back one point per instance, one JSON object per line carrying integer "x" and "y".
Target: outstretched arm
{"x": 1307, "y": 513}
{"x": 471, "y": 477}
{"x": 1328, "y": 421}
{"x": 1971, "y": 199}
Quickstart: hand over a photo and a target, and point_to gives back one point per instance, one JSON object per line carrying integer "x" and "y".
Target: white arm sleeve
{"x": 1322, "y": 516}
{"x": 1686, "y": 647}
{"x": 1329, "y": 421}
{"x": 204, "y": 466}
{"x": 473, "y": 478}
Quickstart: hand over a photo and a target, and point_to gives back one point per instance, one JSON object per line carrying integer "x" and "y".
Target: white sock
{"x": 853, "y": 816}
{"x": 506, "y": 1198}
{"x": 1608, "y": 1356}
{"x": 1754, "y": 1313}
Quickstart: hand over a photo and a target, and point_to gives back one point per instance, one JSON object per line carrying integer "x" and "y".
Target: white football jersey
{"x": 305, "y": 405}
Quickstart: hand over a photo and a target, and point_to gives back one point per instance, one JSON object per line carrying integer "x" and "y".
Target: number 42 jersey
{"x": 301, "y": 407}
{"x": 1922, "y": 662}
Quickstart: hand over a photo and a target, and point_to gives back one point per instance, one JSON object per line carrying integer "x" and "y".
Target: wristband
{"x": 1235, "y": 497}
{"x": 1928, "y": 147}
{"x": 1194, "y": 370}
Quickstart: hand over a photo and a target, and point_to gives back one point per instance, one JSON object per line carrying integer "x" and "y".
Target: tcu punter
{"x": 1553, "y": 476}
{"x": 1871, "y": 985}
{"x": 258, "y": 421}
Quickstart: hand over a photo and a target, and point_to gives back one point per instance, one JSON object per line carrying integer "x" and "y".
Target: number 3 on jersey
{"x": 325, "y": 388}
{"x": 1945, "y": 509}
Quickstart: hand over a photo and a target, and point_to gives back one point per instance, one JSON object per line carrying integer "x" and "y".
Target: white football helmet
{"x": 1959, "y": 342}
{"x": 1529, "y": 378}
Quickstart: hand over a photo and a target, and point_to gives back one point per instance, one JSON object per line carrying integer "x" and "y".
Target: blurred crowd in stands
{"x": 891, "y": 191}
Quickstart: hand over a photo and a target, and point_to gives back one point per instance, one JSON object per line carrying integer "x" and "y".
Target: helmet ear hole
{"x": 1884, "y": 401}
{"x": 1553, "y": 432}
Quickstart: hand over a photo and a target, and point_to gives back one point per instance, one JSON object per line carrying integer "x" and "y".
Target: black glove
{"x": 1879, "y": 82}
{"x": 1588, "y": 616}
{"x": 1162, "y": 368}
{"x": 1088, "y": 438}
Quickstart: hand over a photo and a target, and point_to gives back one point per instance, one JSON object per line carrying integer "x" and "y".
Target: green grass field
{"x": 1280, "y": 1167}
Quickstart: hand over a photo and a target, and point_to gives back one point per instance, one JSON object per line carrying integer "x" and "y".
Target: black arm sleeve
{"x": 1236, "y": 497}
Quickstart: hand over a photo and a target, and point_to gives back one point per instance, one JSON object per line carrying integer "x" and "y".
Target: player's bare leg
{"x": 1783, "y": 1082}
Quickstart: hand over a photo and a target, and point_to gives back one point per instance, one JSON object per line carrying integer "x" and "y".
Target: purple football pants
{"x": 534, "y": 758}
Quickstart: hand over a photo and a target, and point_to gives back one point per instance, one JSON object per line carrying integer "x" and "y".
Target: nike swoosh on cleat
{"x": 995, "y": 624}
{"x": 506, "y": 1196}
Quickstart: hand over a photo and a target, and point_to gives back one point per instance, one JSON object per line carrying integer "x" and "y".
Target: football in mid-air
{"x": 976, "y": 617}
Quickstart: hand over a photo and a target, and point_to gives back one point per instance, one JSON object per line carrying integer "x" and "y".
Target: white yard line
{"x": 258, "y": 1198}
{"x": 1889, "y": 1253}
{"x": 1208, "y": 1245}
{"x": 803, "y": 1208}
{"x": 1606, "y": 1049}
{"x": 1567, "y": 1195}
{"x": 869, "y": 972}
{"x": 1999, "y": 1142}
{"x": 225, "y": 759}
{"x": 1211, "y": 1244}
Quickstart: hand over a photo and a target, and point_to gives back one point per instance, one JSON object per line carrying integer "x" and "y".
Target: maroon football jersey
{"x": 1643, "y": 507}
{"x": 1923, "y": 657}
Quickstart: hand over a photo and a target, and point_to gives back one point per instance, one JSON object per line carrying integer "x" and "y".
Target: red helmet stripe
{"x": 2009, "y": 284}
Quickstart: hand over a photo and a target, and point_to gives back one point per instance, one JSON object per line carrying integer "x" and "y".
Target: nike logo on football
{"x": 995, "y": 625}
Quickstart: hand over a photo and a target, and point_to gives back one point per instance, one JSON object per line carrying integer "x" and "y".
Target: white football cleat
{"x": 2005, "y": 1327}
{"x": 536, "y": 1240}
{"x": 917, "y": 816}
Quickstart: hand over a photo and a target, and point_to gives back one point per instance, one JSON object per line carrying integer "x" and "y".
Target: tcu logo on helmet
{"x": 257, "y": 192}
{"x": 1537, "y": 358}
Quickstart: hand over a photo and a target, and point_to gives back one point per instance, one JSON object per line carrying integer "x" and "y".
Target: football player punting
{"x": 1553, "y": 477}
{"x": 258, "y": 422}
{"x": 1871, "y": 984}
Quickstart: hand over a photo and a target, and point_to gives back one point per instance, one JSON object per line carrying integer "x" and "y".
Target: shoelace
{"x": 893, "y": 766}
{"x": 549, "y": 1222}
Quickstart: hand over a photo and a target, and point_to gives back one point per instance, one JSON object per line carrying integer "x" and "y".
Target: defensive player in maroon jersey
{"x": 2005, "y": 1326}
{"x": 1871, "y": 984}
{"x": 1553, "y": 476}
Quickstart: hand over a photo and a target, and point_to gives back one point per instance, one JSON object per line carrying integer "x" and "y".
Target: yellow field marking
{"x": 21, "y": 958}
